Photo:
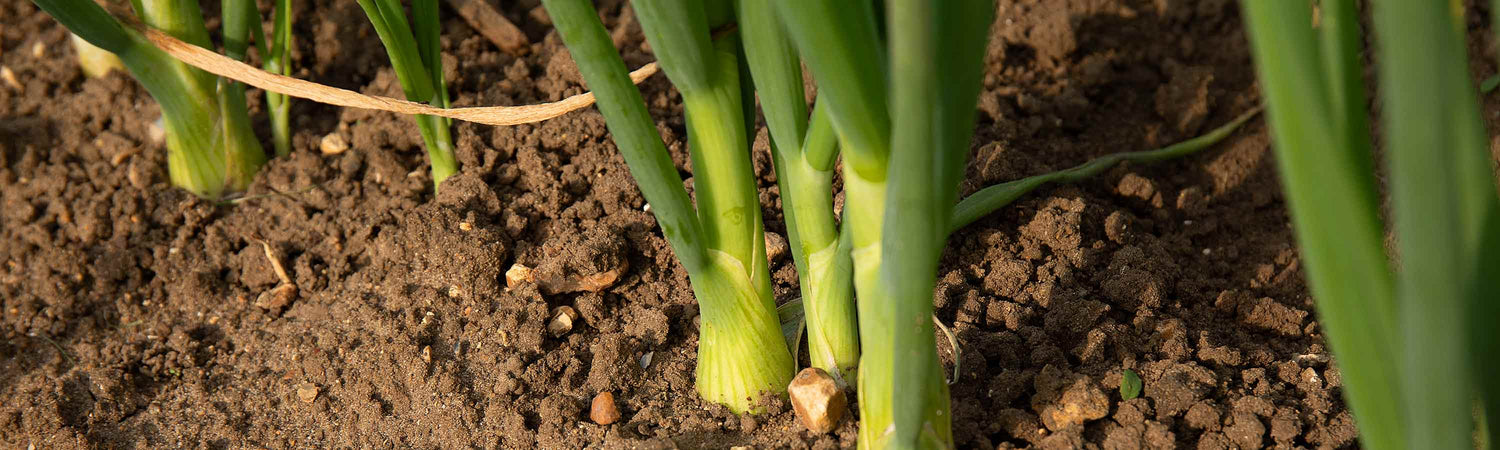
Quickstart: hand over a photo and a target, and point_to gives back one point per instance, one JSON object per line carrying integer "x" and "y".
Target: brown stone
{"x": 518, "y": 274}
{"x": 817, "y": 400}
{"x": 603, "y": 411}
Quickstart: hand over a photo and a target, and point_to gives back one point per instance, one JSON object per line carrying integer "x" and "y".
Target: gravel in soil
{"x": 135, "y": 315}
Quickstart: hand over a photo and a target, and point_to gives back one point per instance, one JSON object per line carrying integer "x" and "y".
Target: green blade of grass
{"x": 389, "y": 21}
{"x": 777, "y": 73}
{"x": 180, "y": 18}
{"x": 93, "y": 24}
{"x": 741, "y": 351}
{"x": 740, "y": 356}
{"x": 199, "y": 158}
{"x": 1341, "y": 46}
{"x": 1334, "y": 211}
{"x": 240, "y": 19}
{"x": 678, "y": 33}
{"x": 821, "y": 146}
{"x": 707, "y": 75}
{"x": 428, "y": 31}
{"x": 992, "y": 198}
{"x": 1484, "y": 337}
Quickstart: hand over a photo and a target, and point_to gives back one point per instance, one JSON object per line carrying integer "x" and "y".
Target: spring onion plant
{"x": 1414, "y": 338}
{"x": 741, "y": 352}
{"x": 276, "y": 57}
{"x": 211, "y": 150}
{"x": 904, "y": 113}
{"x": 416, "y": 54}
{"x": 804, "y": 151}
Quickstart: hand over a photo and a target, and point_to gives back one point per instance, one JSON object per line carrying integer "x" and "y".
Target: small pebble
{"x": 38, "y": 50}
{"x": 518, "y": 274}
{"x": 10, "y": 78}
{"x": 817, "y": 400}
{"x": 427, "y": 353}
{"x": 307, "y": 392}
{"x": 333, "y": 144}
{"x": 465, "y": 226}
{"x": 562, "y": 320}
{"x": 603, "y": 411}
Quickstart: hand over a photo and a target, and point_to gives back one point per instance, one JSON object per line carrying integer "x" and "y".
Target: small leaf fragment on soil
{"x": 817, "y": 400}
{"x": 793, "y": 321}
{"x": 1130, "y": 385}
{"x": 603, "y": 410}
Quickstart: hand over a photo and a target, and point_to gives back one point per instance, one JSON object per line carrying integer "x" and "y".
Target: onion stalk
{"x": 415, "y": 52}
{"x": 211, "y": 150}
{"x": 803, "y": 151}
{"x": 904, "y": 117}
{"x": 741, "y": 352}
{"x": 1414, "y": 340}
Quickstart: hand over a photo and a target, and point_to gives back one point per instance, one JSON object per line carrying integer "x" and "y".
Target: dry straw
{"x": 490, "y": 115}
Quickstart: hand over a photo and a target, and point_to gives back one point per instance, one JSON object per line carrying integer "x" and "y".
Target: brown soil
{"x": 135, "y": 315}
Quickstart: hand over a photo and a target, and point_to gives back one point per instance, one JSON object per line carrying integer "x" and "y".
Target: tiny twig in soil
{"x": 275, "y": 263}
{"x": 958, "y": 355}
{"x": 493, "y": 25}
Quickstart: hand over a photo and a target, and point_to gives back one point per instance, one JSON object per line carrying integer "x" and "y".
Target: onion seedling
{"x": 803, "y": 152}
{"x": 211, "y": 150}
{"x": 904, "y": 117}
{"x": 415, "y": 52}
{"x": 741, "y": 352}
{"x": 276, "y": 58}
{"x": 1416, "y": 344}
